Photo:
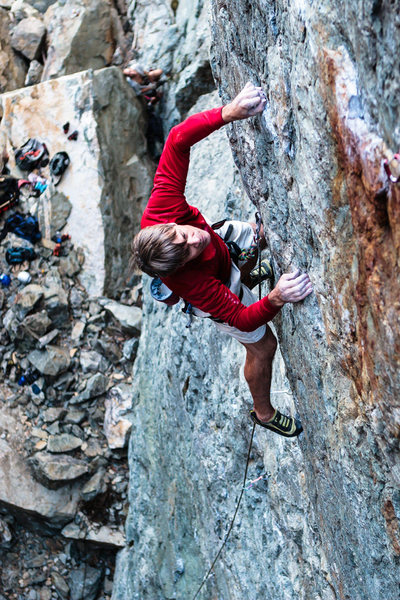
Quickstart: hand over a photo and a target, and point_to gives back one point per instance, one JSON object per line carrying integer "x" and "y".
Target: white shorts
{"x": 243, "y": 235}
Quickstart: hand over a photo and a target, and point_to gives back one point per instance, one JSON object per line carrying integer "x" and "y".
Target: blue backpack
{"x": 24, "y": 226}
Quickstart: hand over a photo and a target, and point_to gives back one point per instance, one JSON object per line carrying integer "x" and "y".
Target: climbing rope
{"x": 233, "y": 519}
{"x": 244, "y": 487}
{"x": 258, "y": 240}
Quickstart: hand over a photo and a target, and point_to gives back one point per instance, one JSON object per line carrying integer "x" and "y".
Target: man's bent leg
{"x": 258, "y": 373}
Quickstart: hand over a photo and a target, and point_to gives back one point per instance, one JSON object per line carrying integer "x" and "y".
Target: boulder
{"x": 5, "y": 535}
{"x": 56, "y": 304}
{"x": 57, "y": 470}
{"x": 93, "y": 361}
{"x": 80, "y": 36}
{"x": 52, "y": 361}
{"x": 113, "y": 538}
{"x": 69, "y": 265}
{"x": 74, "y": 417}
{"x": 54, "y": 413}
{"x": 117, "y": 425}
{"x": 60, "y": 585}
{"x": 23, "y": 9}
{"x": 95, "y": 486}
{"x": 95, "y": 386}
{"x": 63, "y": 442}
{"x": 130, "y": 348}
{"x": 77, "y": 330}
{"x": 41, "y": 5}
{"x": 85, "y": 579}
{"x": 28, "y": 36}
{"x": 13, "y": 68}
{"x": 23, "y": 492}
{"x": 48, "y": 338}
{"x": 129, "y": 317}
{"x": 27, "y": 299}
{"x": 37, "y": 323}
{"x": 34, "y": 73}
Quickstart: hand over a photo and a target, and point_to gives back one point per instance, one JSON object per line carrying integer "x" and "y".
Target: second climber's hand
{"x": 249, "y": 102}
{"x": 291, "y": 287}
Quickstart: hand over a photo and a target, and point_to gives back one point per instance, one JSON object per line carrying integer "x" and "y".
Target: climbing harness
{"x": 251, "y": 483}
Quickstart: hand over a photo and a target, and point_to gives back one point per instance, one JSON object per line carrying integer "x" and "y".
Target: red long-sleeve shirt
{"x": 201, "y": 280}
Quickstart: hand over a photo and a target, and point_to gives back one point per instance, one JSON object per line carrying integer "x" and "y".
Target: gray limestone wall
{"x": 325, "y": 524}
{"x": 313, "y": 164}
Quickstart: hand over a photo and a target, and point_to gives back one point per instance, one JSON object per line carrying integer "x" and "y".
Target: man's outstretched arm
{"x": 167, "y": 200}
{"x": 248, "y": 103}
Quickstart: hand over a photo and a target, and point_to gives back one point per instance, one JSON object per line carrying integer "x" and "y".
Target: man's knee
{"x": 264, "y": 349}
{"x": 270, "y": 344}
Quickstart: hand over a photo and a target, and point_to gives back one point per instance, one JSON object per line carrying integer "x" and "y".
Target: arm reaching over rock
{"x": 249, "y": 102}
{"x": 291, "y": 287}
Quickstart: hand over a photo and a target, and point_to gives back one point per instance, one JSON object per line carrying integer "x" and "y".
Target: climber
{"x": 177, "y": 244}
{"x": 146, "y": 84}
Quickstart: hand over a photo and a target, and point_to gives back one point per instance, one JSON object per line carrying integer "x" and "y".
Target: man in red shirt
{"x": 177, "y": 244}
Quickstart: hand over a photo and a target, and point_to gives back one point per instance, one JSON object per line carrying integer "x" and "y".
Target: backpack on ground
{"x": 24, "y": 226}
{"x": 58, "y": 166}
{"x": 9, "y": 192}
{"x": 17, "y": 255}
{"x": 32, "y": 155}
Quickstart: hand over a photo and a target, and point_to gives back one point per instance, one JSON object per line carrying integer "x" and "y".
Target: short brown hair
{"x": 155, "y": 252}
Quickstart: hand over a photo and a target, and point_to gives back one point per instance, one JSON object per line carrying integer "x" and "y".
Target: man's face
{"x": 196, "y": 239}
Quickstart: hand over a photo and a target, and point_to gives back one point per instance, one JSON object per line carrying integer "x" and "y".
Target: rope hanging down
{"x": 233, "y": 519}
{"x": 258, "y": 228}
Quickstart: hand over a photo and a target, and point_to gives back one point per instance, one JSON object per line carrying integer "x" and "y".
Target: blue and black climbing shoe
{"x": 286, "y": 426}
{"x": 257, "y": 277}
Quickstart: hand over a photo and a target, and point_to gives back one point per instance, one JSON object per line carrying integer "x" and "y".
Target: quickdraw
{"x": 388, "y": 169}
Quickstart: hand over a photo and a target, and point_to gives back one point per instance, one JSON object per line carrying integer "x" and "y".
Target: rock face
{"x": 12, "y": 67}
{"x": 174, "y": 37}
{"x": 80, "y": 37}
{"x": 190, "y": 424}
{"x": 106, "y": 182}
{"x": 312, "y": 164}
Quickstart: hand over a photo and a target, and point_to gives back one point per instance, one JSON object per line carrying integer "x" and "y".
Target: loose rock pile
{"x": 66, "y": 360}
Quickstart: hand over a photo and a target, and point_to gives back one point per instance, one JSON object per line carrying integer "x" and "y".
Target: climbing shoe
{"x": 257, "y": 275}
{"x": 286, "y": 426}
